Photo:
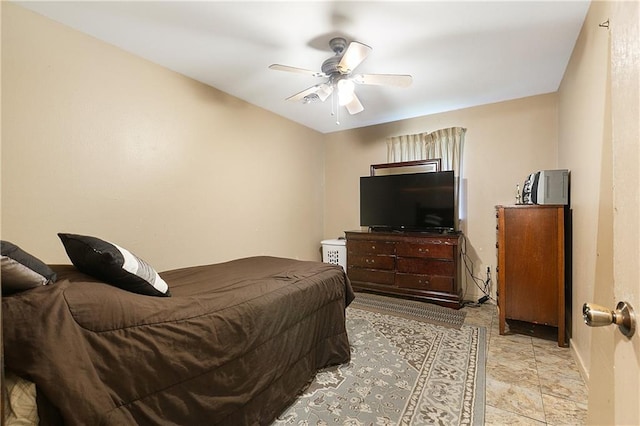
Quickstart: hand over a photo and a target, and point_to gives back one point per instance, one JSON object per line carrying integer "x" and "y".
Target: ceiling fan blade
{"x": 354, "y": 106}
{"x": 306, "y": 92}
{"x": 399, "y": 80}
{"x": 353, "y": 56}
{"x": 287, "y": 68}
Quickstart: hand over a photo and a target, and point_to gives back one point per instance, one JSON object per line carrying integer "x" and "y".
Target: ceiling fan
{"x": 338, "y": 72}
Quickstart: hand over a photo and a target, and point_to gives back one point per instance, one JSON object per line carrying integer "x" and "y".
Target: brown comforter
{"x": 234, "y": 345}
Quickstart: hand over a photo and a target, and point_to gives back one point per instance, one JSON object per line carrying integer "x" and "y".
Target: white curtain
{"x": 406, "y": 148}
{"x": 446, "y": 144}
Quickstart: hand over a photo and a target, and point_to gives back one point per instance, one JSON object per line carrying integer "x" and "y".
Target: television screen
{"x": 416, "y": 201}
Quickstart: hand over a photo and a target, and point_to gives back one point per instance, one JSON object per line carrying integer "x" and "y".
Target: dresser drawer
{"x": 371, "y": 275}
{"x": 370, "y": 247}
{"x": 413, "y": 265}
{"x": 416, "y": 265}
{"x": 434, "y": 251}
{"x": 424, "y": 282}
{"x": 372, "y": 262}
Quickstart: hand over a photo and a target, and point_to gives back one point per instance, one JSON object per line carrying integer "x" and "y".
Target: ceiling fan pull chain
{"x": 333, "y": 111}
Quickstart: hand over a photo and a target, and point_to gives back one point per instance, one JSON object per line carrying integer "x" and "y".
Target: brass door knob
{"x": 598, "y": 316}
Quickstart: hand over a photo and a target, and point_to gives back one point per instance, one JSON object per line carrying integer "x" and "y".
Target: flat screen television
{"x": 422, "y": 202}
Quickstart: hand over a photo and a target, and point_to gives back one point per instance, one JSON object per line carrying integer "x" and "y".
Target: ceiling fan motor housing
{"x": 330, "y": 66}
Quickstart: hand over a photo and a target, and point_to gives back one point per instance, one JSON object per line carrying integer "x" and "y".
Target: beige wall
{"x": 101, "y": 142}
{"x": 585, "y": 148}
{"x": 504, "y": 143}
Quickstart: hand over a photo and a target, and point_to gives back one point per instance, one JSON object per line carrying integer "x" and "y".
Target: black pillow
{"x": 113, "y": 264}
{"x": 21, "y": 270}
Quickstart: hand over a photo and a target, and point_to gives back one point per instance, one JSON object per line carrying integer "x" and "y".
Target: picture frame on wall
{"x": 403, "y": 167}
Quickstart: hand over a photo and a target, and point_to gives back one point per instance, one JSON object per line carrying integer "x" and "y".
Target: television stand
{"x": 422, "y": 266}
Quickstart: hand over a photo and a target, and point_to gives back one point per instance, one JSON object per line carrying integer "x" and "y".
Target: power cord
{"x": 483, "y": 285}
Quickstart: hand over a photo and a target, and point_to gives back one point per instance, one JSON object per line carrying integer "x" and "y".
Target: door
{"x": 614, "y": 388}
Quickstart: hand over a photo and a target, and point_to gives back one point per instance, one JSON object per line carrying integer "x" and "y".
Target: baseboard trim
{"x": 580, "y": 363}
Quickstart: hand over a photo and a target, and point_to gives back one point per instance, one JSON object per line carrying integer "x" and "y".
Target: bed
{"x": 234, "y": 344}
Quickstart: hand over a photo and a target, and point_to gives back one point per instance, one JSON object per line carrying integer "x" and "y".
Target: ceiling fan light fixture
{"x": 346, "y": 89}
{"x": 310, "y": 98}
{"x": 324, "y": 91}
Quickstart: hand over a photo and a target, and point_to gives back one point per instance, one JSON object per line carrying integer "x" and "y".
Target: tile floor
{"x": 530, "y": 380}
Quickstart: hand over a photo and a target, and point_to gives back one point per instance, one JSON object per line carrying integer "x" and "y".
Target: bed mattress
{"x": 235, "y": 343}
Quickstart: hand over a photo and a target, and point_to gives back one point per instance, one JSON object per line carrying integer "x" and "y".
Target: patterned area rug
{"x": 412, "y": 309}
{"x": 402, "y": 372}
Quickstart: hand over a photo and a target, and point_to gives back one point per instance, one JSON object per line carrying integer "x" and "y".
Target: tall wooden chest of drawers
{"x": 531, "y": 265}
{"x": 416, "y": 265}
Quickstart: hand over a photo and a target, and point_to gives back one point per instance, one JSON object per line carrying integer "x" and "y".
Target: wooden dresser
{"x": 531, "y": 265}
{"x": 417, "y": 265}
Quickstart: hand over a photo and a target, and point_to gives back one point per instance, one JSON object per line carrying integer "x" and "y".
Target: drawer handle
{"x": 373, "y": 247}
{"x": 423, "y": 282}
{"x": 426, "y": 250}
{"x": 370, "y": 260}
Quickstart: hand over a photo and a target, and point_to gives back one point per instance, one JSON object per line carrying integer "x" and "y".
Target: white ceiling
{"x": 460, "y": 54}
